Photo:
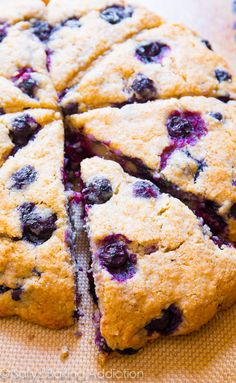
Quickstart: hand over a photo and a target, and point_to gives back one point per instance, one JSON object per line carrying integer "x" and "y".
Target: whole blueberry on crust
{"x": 167, "y": 323}
{"x": 24, "y": 129}
{"x": 152, "y": 52}
{"x": 25, "y": 82}
{"x": 145, "y": 189}
{"x": 217, "y": 116}
{"x": 143, "y": 88}
{"x": 23, "y": 177}
{"x": 116, "y": 13}
{"x": 98, "y": 191}
{"x": 41, "y": 29}
{"x": 222, "y": 75}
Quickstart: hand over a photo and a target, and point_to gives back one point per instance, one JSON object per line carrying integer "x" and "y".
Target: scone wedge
{"x": 156, "y": 270}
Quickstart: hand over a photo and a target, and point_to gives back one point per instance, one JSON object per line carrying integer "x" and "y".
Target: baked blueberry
{"x": 218, "y": 116}
{"x": 16, "y": 294}
{"x": 208, "y": 44}
{"x": 116, "y": 13}
{"x": 24, "y": 128}
{"x": 115, "y": 256}
{"x": 144, "y": 88}
{"x": 179, "y": 127}
{"x": 72, "y": 22}
{"x": 41, "y": 29}
{"x": 23, "y": 177}
{"x": 222, "y": 75}
{"x": 3, "y": 31}
{"x": 4, "y": 289}
{"x": 25, "y": 82}
{"x": 152, "y": 52}
{"x": 37, "y": 225}
{"x": 145, "y": 189}
{"x": 168, "y": 323}
{"x": 98, "y": 191}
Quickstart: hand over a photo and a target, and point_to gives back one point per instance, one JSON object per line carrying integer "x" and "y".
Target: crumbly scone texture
{"x": 185, "y": 269}
{"x": 24, "y": 79}
{"x": 74, "y": 45}
{"x": 183, "y": 66}
{"x": 13, "y": 11}
{"x": 36, "y": 279}
{"x": 204, "y": 166}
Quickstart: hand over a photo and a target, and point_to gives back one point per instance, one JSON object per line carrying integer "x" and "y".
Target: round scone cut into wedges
{"x": 156, "y": 270}
{"x": 37, "y": 275}
{"x": 82, "y": 31}
{"x": 187, "y": 146}
{"x": 24, "y": 79}
{"x": 164, "y": 62}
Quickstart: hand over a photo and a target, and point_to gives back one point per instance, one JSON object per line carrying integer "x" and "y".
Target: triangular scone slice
{"x": 24, "y": 79}
{"x": 156, "y": 270}
{"x": 170, "y": 61}
{"x": 13, "y": 11}
{"x": 85, "y": 30}
{"x": 186, "y": 145}
{"x": 37, "y": 276}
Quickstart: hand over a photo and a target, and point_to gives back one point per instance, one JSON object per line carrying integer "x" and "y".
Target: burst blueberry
{"x": 169, "y": 321}
{"x": 25, "y": 82}
{"x": 152, "y": 52}
{"x": 145, "y": 189}
{"x": 37, "y": 225}
{"x": 24, "y": 129}
{"x": 222, "y": 75}
{"x": 23, "y": 177}
{"x": 98, "y": 191}
{"x": 41, "y": 29}
{"x": 144, "y": 88}
{"x": 116, "y": 13}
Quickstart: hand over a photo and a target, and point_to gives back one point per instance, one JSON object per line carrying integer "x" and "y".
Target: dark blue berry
{"x": 179, "y": 127}
{"x": 116, "y": 13}
{"x": 23, "y": 177}
{"x": 168, "y": 322}
{"x": 218, "y": 116}
{"x": 144, "y": 88}
{"x": 37, "y": 225}
{"x": 98, "y": 191}
{"x": 41, "y": 29}
{"x": 3, "y": 31}
{"x": 222, "y": 75}
{"x": 208, "y": 44}
{"x": 4, "y": 289}
{"x": 25, "y": 127}
{"x": 25, "y": 82}
{"x": 185, "y": 127}
{"x": 16, "y": 294}
{"x": 145, "y": 189}
{"x": 151, "y": 52}
{"x": 72, "y": 22}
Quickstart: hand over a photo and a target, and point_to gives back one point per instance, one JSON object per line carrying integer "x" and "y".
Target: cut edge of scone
{"x": 39, "y": 278}
{"x": 156, "y": 270}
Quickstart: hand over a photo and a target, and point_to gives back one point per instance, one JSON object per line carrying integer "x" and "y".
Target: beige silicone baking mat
{"x": 29, "y": 353}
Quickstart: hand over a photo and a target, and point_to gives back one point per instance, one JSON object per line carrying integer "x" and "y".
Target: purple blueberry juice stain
{"x": 25, "y": 82}
{"x": 153, "y": 52}
{"x": 169, "y": 321}
{"x": 145, "y": 189}
{"x": 23, "y": 177}
{"x": 41, "y": 29}
{"x": 24, "y": 129}
{"x": 116, "y": 258}
{"x": 184, "y": 128}
{"x": 98, "y": 191}
{"x": 144, "y": 88}
{"x": 116, "y": 13}
{"x": 3, "y": 31}
{"x": 37, "y": 225}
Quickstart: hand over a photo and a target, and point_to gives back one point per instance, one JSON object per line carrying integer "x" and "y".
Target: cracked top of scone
{"x": 36, "y": 273}
{"x": 169, "y": 61}
{"x": 24, "y": 80}
{"x": 156, "y": 270}
{"x": 85, "y": 30}
{"x": 13, "y": 11}
{"x": 189, "y": 143}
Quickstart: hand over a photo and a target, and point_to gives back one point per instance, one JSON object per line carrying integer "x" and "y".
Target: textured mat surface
{"x": 29, "y": 353}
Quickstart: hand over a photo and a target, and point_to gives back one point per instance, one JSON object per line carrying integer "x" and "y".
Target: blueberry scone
{"x": 156, "y": 270}
{"x": 164, "y": 62}
{"x": 186, "y": 146}
{"x": 81, "y": 31}
{"x": 24, "y": 79}
{"x": 37, "y": 276}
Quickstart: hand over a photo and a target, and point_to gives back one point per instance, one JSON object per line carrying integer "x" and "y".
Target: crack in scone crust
{"x": 161, "y": 265}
